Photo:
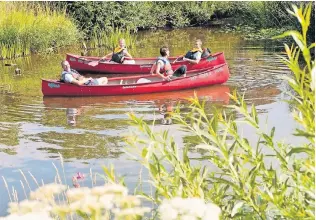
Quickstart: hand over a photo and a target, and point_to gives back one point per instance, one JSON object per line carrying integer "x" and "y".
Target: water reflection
{"x": 71, "y": 114}
{"x": 166, "y": 111}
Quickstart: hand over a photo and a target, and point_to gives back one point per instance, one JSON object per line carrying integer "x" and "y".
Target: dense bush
{"x": 96, "y": 16}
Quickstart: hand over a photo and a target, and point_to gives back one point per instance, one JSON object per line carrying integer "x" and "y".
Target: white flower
{"x": 167, "y": 212}
{"x": 75, "y": 194}
{"x": 106, "y": 201}
{"x": 47, "y": 192}
{"x": 129, "y": 201}
{"x": 188, "y": 209}
{"x": 29, "y": 216}
{"x": 188, "y": 217}
{"x": 212, "y": 212}
{"x": 27, "y": 206}
{"x": 109, "y": 189}
{"x": 87, "y": 205}
{"x": 131, "y": 211}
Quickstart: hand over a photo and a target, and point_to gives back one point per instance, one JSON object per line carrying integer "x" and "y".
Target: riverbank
{"x": 45, "y": 27}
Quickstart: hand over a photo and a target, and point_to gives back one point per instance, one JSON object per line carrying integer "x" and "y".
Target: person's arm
{"x": 107, "y": 56}
{"x": 70, "y": 79}
{"x": 127, "y": 55}
{"x": 198, "y": 58}
{"x": 156, "y": 70}
{"x": 80, "y": 82}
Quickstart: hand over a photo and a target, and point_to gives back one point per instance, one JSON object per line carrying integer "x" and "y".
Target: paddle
{"x": 177, "y": 59}
{"x": 95, "y": 63}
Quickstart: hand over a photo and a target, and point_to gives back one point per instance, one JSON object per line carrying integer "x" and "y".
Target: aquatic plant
{"x": 27, "y": 27}
{"x": 110, "y": 39}
{"x": 242, "y": 182}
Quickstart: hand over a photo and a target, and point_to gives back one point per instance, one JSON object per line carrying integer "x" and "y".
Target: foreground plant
{"x": 244, "y": 184}
{"x": 99, "y": 202}
{"x": 110, "y": 201}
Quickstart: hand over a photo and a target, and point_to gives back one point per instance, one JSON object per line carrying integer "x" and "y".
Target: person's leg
{"x": 128, "y": 61}
{"x": 102, "y": 81}
{"x": 180, "y": 71}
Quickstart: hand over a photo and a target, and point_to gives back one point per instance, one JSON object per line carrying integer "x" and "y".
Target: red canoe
{"x": 215, "y": 93}
{"x": 129, "y": 85}
{"x": 141, "y": 66}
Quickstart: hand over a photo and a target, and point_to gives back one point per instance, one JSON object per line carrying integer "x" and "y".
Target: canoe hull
{"x": 141, "y": 66}
{"x": 212, "y": 76}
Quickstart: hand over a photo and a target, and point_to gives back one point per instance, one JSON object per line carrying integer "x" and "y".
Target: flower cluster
{"x": 188, "y": 209}
{"x": 99, "y": 202}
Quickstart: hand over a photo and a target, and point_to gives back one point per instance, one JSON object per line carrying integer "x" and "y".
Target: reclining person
{"x": 72, "y": 76}
{"x": 194, "y": 56}
{"x": 162, "y": 66}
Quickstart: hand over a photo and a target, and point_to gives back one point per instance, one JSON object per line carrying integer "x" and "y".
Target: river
{"x": 89, "y": 132}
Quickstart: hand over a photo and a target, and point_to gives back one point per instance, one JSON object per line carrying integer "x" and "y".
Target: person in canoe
{"x": 120, "y": 54}
{"x": 162, "y": 66}
{"x": 69, "y": 75}
{"x": 194, "y": 56}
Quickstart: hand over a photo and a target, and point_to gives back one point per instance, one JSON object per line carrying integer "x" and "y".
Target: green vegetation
{"x": 29, "y": 27}
{"x": 97, "y": 16}
{"x": 110, "y": 39}
{"x": 267, "y": 180}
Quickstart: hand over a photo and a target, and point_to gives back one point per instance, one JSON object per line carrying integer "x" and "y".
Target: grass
{"x": 27, "y": 27}
{"x": 110, "y": 39}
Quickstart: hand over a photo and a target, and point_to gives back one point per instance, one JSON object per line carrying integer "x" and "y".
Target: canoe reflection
{"x": 164, "y": 101}
{"x": 216, "y": 93}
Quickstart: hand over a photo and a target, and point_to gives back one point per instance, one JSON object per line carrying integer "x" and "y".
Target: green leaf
{"x": 208, "y": 147}
{"x": 144, "y": 152}
{"x": 272, "y": 132}
{"x": 153, "y": 169}
{"x": 236, "y": 208}
{"x": 298, "y": 150}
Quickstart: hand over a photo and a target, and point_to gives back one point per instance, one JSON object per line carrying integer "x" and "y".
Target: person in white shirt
{"x": 72, "y": 76}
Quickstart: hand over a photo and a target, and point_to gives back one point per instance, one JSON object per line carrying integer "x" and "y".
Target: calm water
{"x": 89, "y": 132}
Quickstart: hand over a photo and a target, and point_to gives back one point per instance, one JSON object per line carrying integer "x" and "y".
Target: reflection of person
{"x": 72, "y": 76}
{"x": 162, "y": 66}
{"x": 194, "y": 55}
{"x": 71, "y": 114}
{"x": 120, "y": 54}
{"x": 166, "y": 110}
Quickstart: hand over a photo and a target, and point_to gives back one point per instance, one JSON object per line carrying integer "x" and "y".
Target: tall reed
{"x": 27, "y": 27}
{"x": 110, "y": 39}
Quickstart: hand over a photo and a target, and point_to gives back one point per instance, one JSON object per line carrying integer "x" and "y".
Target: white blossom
{"x": 75, "y": 194}
{"x": 212, "y": 212}
{"x": 188, "y": 209}
{"x": 27, "y": 206}
{"x": 29, "y": 216}
{"x": 106, "y": 201}
{"x": 47, "y": 191}
{"x": 110, "y": 189}
{"x": 131, "y": 211}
